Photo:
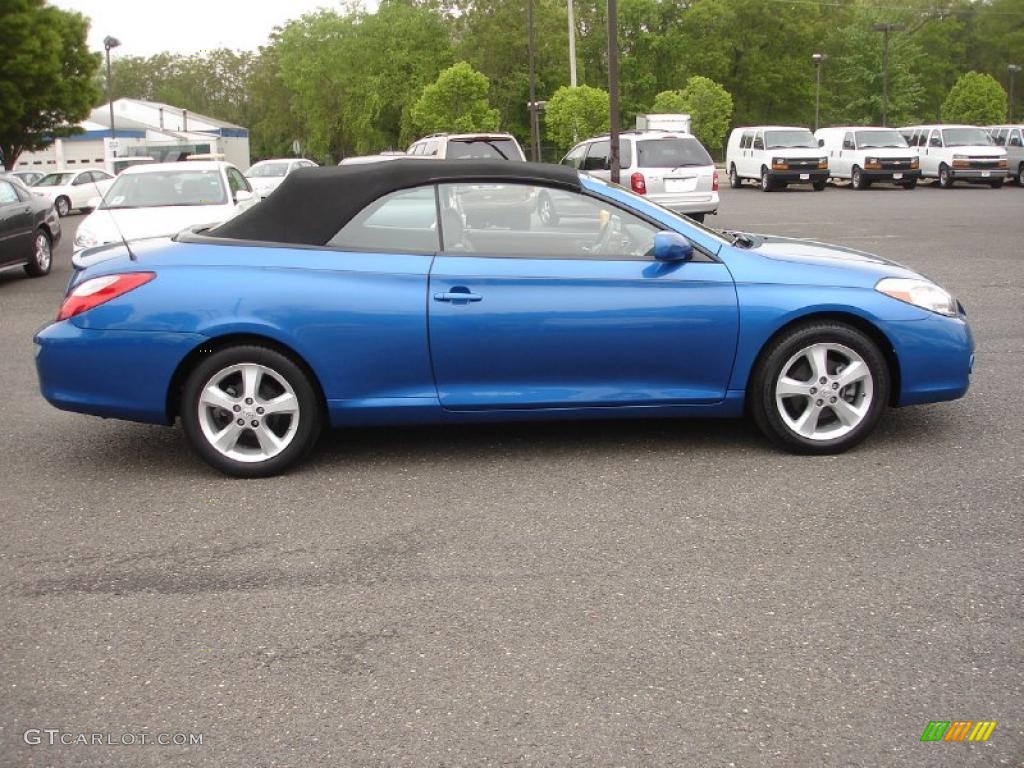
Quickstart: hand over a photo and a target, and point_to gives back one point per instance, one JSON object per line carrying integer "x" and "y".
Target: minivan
{"x": 776, "y": 156}
{"x": 864, "y": 155}
{"x": 671, "y": 168}
{"x": 1011, "y": 138}
{"x": 952, "y": 153}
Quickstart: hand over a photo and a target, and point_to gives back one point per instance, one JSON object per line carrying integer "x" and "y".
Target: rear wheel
{"x": 698, "y": 217}
{"x": 767, "y": 185}
{"x": 546, "y": 211}
{"x": 734, "y": 179}
{"x": 250, "y": 411}
{"x": 820, "y": 388}
{"x": 41, "y": 260}
{"x": 945, "y": 177}
{"x": 63, "y": 206}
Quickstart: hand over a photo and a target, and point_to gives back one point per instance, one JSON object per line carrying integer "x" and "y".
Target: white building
{"x": 142, "y": 129}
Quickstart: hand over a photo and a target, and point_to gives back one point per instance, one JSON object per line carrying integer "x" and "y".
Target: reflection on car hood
{"x": 813, "y": 252}
{"x": 110, "y": 226}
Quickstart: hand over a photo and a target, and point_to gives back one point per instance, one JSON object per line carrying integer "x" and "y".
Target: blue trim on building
{"x": 123, "y": 133}
{"x": 231, "y": 133}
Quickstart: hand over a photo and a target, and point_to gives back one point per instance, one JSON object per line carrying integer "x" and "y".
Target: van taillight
{"x": 638, "y": 183}
{"x": 714, "y": 182}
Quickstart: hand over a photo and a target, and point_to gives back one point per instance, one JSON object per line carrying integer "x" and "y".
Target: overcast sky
{"x": 145, "y": 27}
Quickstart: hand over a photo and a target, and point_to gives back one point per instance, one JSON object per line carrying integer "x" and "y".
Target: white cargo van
{"x": 950, "y": 153}
{"x": 776, "y": 156}
{"x": 865, "y": 155}
{"x": 1011, "y": 138}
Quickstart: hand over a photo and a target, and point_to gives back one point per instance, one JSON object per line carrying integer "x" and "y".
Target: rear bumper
{"x": 691, "y": 202}
{"x": 114, "y": 374}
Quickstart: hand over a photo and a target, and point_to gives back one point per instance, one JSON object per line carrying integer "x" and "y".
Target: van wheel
{"x": 909, "y": 184}
{"x": 820, "y": 185}
{"x": 736, "y": 182}
{"x": 766, "y": 180}
{"x": 857, "y": 180}
{"x": 945, "y": 177}
{"x": 996, "y": 183}
{"x": 1020, "y": 175}
{"x": 821, "y": 388}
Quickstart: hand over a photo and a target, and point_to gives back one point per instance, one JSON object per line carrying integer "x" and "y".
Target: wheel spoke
{"x": 251, "y": 376}
{"x": 215, "y": 397}
{"x": 788, "y": 387}
{"x": 225, "y": 440}
{"x": 807, "y": 423}
{"x": 855, "y": 371}
{"x": 848, "y": 414}
{"x": 269, "y": 442}
{"x": 285, "y": 403}
{"x": 817, "y": 356}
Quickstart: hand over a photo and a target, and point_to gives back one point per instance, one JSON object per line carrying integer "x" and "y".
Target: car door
{"x": 597, "y": 162}
{"x": 238, "y": 183}
{"x": 16, "y": 224}
{"x": 846, "y": 157}
{"x": 756, "y": 157}
{"x": 932, "y": 153}
{"x": 579, "y": 315}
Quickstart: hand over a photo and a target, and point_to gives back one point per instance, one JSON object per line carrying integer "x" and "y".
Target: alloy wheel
{"x": 43, "y": 253}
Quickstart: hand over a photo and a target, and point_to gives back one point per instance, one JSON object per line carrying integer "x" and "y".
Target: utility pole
{"x": 613, "y": 88}
{"x": 534, "y": 127}
{"x": 885, "y": 29}
{"x": 572, "y": 47}
{"x": 108, "y": 43}
{"x": 817, "y": 58}
{"x": 1013, "y": 69}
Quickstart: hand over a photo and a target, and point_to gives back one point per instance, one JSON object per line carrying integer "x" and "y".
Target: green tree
{"x": 456, "y": 101}
{"x": 708, "y": 104}
{"x": 576, "y": 113}
{"x": 47, "y": 82}
{"x": 975, "y": 98}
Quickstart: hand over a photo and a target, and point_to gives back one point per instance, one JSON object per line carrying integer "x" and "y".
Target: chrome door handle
{"x": 457, "y": 296}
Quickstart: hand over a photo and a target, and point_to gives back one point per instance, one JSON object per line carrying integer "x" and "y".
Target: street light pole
{"x": 613, "y": 89}
{"x": 534, "y": 137}
{"x": 885, "y": 29}
{"x": 1013, "y": 69}
{"x": 572, "y": 47}
{"x": 817, "y": 58}
{"x": 108, "y": 43}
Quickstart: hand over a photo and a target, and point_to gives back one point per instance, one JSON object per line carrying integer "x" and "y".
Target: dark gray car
{"x": 29, "y": 228}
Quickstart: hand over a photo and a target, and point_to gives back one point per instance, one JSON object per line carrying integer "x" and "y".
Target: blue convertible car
{"x": 417, "y": 291}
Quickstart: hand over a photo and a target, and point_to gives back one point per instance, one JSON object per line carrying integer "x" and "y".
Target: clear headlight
{"x": 919, "y": 292}
{"x": 85, "y": 239}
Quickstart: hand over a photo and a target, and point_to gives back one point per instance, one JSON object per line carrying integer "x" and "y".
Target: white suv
{"x": 776, "y": 156}
{"x": 468, "y": 146}
{"x": 953, "y": 152}
{"x": 672, "y": 168}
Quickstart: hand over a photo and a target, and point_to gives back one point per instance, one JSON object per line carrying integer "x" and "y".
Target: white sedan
{"x": 163, "y": 199}
{"x": 69, "y": 190}
{"x": 266, "y": 176}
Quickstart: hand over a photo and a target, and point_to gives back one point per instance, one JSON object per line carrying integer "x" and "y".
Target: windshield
{"x": 54, "y": 180}
{"x": 484, "y": 149}
{"x": 165, "y": 188}
{"x": 880, "y": 140}
{"x": 965, "y": 137}
{"x": 267, "y": 170}
{"x": 671, "y": 153}
{"x": 800, "y": 138}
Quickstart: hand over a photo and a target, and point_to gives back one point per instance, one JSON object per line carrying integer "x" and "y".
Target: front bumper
{"x": 890, "y": 174}
{"x": 978, "y": 174}
{"x": 114, "y": 374}
{"x": 694, "y": 202}
{"x": 799, "y": 176}
{"x": 935, "y": 356}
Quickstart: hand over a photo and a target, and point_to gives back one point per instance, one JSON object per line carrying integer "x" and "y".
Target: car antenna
{"x": 113, "y": 218}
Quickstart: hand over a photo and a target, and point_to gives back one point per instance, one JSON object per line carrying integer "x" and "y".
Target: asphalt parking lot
{"x": 643, "y": 593}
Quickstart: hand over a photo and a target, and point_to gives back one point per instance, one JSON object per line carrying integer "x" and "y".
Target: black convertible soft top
{"x": 312, "y": 204}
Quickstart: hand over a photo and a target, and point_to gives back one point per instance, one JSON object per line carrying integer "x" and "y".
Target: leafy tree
{"x": 708, "y": 104}
{"x": 576, "y": 113}
{"x": 47, "y": 82}
{"x": 975, "y": 98}
{"x": 456, "y": 102}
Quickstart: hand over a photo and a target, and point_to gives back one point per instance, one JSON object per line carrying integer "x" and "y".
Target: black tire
{"x": 734, "y": 178}
{"x": 698, "y": 217}
{"x": 857, "y": 180}
{"x": 911, "y": 184}
{"x": 945, "y": 177}
{"x": 1020, "y": 175}
{"x": 546, "y": 210}
{"x": 820, "y": 185}
{"x": 63, "y": 206}
{"x": 996, "y": 183}
{"x": 761, "y": 392}
{"x": 41, "y": 261}
{"x": 767, "y": 185}
{"x": 310, "y": 412}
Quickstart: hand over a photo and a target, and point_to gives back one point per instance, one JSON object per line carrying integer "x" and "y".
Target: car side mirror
{"x": 93, "y": 203}
{"x": 244, "y": 195}
{"x": 672, "y": 246}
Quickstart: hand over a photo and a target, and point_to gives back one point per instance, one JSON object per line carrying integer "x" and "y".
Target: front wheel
{"x": 698, "y": 217}
{"x": 250, "y": 411}
{"x": 63, "y": 206}
{"x": 820, "y": 185}
{"x": 546, "y": 211}
{"x": 912, "y": 184}
{"x": 766, "y": 181}
{"x": 857, "y": 180}
{"x": 996, "y": 184}
{"x": 1020, "y": 175}
{"x": 945, "y": 177}
{"x": 734, "y": 178}
{"x": 820, "y": 388}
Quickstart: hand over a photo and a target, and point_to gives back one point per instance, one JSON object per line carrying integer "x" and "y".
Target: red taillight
{"x": 99, "y": 290}
{"x": 638, "y": 183}
{"x": 714, "y": 182}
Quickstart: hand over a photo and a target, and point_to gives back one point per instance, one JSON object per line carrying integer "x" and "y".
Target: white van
{"x": 950, "y": 153}
{"x": 864, "y": 155}
{"x": 776, "y": 156}
{"x": 1011, "y": 138}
